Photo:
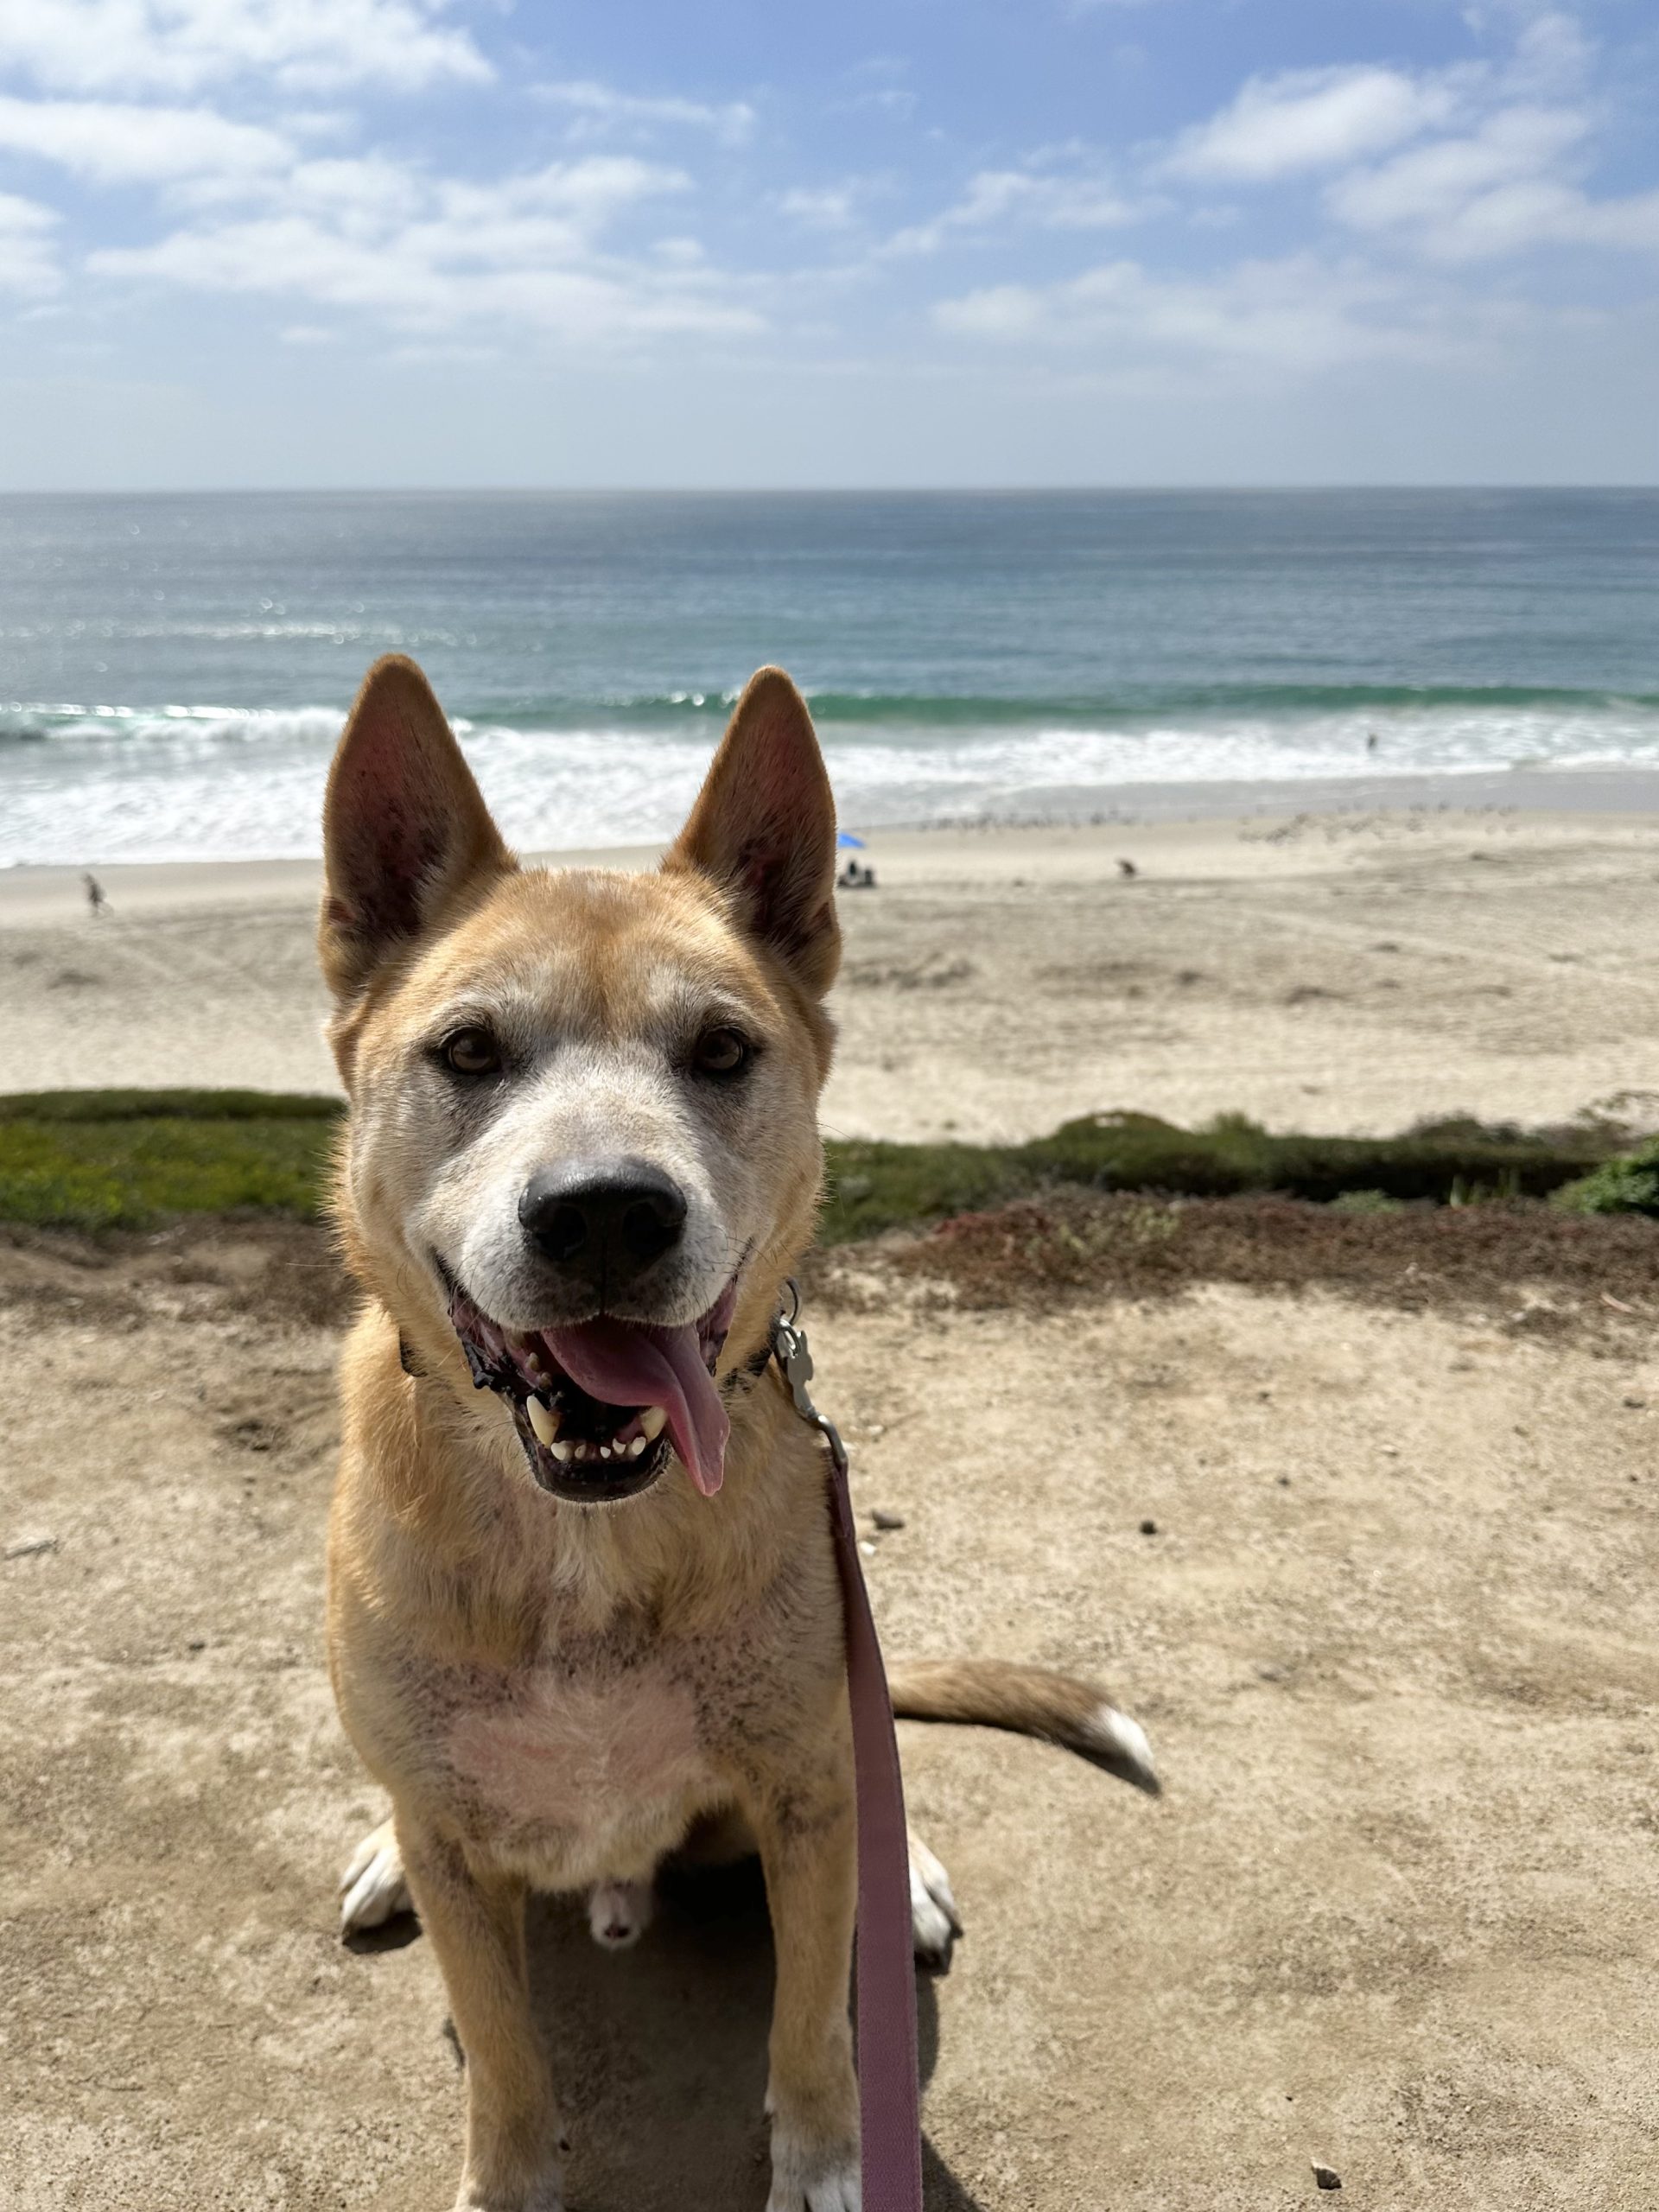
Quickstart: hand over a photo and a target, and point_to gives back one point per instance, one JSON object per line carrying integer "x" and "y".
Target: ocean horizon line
{"x": 1358, "y": 486}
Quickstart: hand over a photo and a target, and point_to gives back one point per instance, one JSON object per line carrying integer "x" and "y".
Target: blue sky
{"x": 934, "y": 241}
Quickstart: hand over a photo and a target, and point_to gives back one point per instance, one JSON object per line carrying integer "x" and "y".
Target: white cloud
{"x": 889, "y": 100}
{"x": 877, "y": 87}
{"x": 362, "y": 195}
{"x": 179, "y": 45}
{"x": 994, "y": 196}
{"x": 1502, "y": 152}
{"x": 1551, "y": 59}
{"x": 429, "y": 255}
{"x": 27, "y": 263}
{"x": 1433, "y": 183}
{"x": 1297, "y": 314}
{"x": 109, "y": 142}
{"x": 600, "y": 107}
{"x": 1508, "y": 186}
{"x": 1310, "y": 119}
{"x": 830, "y": 208}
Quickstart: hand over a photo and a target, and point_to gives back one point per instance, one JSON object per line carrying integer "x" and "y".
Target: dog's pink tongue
{"x": 628, "y": 1363}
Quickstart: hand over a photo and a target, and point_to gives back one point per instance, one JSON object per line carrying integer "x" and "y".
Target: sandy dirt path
{"x": 1346, "y": 972}
{"x": 1396, "y": 1637}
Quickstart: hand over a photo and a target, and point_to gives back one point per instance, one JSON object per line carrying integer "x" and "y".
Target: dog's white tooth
{"x": 545, "y": 1424}
{"x": 562, "y": 1452}
{"x": 604, "y": 1450}
{"x": 637, "y": 1446}
{"x": 652, "y": 1422}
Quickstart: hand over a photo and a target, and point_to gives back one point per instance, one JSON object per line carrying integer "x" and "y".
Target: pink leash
{"x": 889, "y": 2091}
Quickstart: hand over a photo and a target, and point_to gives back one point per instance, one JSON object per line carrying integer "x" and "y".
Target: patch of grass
{"x": 168, "y": 1106}
{"x": 873, "y": 1185}
{"x": 129, "y": 1159}
{"x": 879, "y": 1187}
{"x": 1630, "y": 1184}
{"x": 1366, "y": 1202}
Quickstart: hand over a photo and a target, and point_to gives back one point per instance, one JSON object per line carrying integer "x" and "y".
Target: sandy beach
{"x": 1344, "y": 971}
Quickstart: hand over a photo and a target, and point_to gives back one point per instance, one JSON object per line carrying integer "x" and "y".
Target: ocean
{"x": 174, "y": 669}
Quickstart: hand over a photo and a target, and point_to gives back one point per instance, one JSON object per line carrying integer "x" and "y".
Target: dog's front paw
{"x": 809, "y": 2175}
{"x": 544, "y": 2195}
{"x": 372, "y": 1889}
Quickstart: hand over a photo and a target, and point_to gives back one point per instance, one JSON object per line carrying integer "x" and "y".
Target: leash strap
{"x": 889, "y": 2091}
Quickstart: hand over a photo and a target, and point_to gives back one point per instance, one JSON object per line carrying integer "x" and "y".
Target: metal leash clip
{"x": 794, "y": 1357}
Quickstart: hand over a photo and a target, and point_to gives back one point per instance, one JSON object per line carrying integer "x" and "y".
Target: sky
{"x": 721, "y": 243}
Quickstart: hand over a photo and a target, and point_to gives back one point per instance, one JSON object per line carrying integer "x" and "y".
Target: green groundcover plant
{"x": 1629, "y": 1184}
{"x": 131, "y": 1159}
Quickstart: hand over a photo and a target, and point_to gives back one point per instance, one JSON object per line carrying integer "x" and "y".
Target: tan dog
{"x": 584, "y": 1603}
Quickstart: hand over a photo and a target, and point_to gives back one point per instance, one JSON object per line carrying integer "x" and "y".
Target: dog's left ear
{"x": 763, "y": 827}
{"x": 405, "y": 831}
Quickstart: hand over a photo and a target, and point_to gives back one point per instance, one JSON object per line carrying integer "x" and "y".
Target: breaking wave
{"x": 94, "y": 781}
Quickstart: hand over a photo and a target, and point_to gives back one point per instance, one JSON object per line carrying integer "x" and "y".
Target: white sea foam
{"x": 86, "y": 781}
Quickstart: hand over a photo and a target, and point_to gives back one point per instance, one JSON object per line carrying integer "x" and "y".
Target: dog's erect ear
{"x": 404, "y": 827}
{"x": 763, "y": 827}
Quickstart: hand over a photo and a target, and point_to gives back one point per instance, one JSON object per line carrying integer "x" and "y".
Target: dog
{"x": 584, "y": 1606}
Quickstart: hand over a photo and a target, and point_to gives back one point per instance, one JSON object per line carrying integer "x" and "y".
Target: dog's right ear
{"x": 764, "y": 829}
{"x": 404, "y": 827}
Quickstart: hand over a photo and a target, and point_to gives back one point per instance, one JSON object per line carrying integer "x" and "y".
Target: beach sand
{"x": 1347, "y": 971}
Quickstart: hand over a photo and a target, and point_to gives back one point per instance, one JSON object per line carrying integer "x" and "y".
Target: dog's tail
{"x": 1059, "y": 1708}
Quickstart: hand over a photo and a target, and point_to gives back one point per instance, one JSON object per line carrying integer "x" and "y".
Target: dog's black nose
{"x": 607, "y": 1219}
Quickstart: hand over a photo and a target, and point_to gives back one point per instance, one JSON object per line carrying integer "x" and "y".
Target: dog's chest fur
{"x": 584, "y": 1764}
{"x": 573, "y": 1750}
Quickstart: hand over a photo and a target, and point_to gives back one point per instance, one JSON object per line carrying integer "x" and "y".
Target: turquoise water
{"x": 173, "y": 671}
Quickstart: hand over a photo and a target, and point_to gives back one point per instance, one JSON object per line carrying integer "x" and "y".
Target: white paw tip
{"x": 375, "y": 1892}
{"x": 841, "y": 2190}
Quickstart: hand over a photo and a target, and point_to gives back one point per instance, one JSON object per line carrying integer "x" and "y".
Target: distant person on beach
{"x": 854, "y": 877}
{"x": 95, "y": 898}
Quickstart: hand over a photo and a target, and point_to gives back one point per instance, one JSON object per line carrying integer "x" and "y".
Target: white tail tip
{"x": 1122, "y": 1743}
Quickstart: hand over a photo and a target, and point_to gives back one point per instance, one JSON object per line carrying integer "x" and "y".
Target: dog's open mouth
{"x": 600, "y": 1405}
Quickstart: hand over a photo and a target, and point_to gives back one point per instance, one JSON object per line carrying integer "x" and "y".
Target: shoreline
{"x": 31, "y": 889}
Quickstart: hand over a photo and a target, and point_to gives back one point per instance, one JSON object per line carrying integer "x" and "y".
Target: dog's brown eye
{"x": 472, "y": 1051}
{"x": 723, "y": 1051}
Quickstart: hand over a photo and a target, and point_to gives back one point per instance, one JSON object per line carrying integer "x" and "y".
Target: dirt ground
{"x": 1381, "y": 1583}
{"x": 1341, "y": 972}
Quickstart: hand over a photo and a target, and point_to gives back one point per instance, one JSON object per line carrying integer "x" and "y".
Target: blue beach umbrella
{"x": 846, "y": 837}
